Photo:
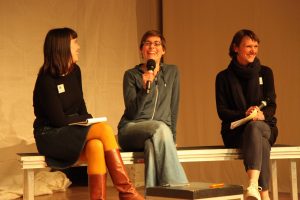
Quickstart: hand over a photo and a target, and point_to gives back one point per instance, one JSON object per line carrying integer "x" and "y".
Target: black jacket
{"x": 229, "y": 111}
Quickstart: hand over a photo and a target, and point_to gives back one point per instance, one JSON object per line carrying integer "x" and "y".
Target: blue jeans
{"x": 162, "y": 167}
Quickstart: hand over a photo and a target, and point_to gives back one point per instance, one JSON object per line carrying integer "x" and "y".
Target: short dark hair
{"x": 57, "y": 52}
{"x": 153, "y": 33}
{"x": 237, "y": 39}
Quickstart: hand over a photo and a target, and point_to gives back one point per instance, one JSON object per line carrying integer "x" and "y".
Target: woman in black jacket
{"x": 240, "y": 89}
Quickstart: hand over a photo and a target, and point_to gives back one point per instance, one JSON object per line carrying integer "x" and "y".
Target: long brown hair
{"x": 57, "y": 52}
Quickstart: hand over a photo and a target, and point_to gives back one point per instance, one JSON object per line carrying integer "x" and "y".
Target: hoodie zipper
{"x": 156, "y": 97}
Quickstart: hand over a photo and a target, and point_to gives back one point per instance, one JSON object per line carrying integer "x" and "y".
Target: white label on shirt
{"x": 261, "y": 81}
{"x": 61, "y": 88}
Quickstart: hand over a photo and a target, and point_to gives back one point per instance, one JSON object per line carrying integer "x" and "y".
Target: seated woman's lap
{"x": 104, "y": 133}
{"x": 133, "y": 136}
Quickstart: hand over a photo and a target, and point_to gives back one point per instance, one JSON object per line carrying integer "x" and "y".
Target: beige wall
{"x": 109, "y": 44}
{"x": 198, "y": 35}
{"x": 109, "y": 33}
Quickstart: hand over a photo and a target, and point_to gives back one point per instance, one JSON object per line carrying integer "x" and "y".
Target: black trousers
{"x": 254, "y": 142}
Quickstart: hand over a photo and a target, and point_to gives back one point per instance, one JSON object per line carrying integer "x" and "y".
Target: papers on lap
{"x": 90, "y": 121}
{"x": 237, "y": 123}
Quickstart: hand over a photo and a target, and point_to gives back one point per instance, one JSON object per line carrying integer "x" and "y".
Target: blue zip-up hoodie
{"x": 160, "y": 104}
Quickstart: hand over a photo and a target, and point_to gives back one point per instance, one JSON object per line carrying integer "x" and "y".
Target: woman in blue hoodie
{"x": 151, "y": 96}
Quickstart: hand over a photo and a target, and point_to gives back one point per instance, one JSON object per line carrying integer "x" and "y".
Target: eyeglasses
{"x": 148, "y": 43}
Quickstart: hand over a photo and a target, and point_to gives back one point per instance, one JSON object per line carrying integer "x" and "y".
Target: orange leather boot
{"x": 119, "y": 176}
{"x": 97, "y": 186}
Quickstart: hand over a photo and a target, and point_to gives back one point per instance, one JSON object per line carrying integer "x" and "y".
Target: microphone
{"x": 263, "y": 104}
{"x": 150, "y": 67}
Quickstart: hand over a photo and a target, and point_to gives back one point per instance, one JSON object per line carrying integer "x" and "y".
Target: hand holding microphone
{"x": 252, "y": 115}
{"x": 260, "y": 115}
{"x": 252, "y": 108}
{"x": 150, "y": 68}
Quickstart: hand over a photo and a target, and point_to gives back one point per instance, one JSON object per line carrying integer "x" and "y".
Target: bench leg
{"x": 136, "y": 171}
{"x": 28, "y": 187}
{"x": 131, "y": 173}
{"x": 293, "y": 169}
{"x": 274, "y": 179}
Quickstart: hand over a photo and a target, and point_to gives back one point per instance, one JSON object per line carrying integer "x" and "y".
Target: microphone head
{"x": 263, "y": 104}
{"x": 151, "y": 64}
{"x": 266, "y": 101}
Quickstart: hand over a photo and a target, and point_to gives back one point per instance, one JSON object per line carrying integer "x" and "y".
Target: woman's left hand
{"x": 260, "y": 116}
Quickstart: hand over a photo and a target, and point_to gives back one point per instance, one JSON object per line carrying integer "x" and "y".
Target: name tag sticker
{"x": 61, "y": 88}
{"x": 261, "y": 81}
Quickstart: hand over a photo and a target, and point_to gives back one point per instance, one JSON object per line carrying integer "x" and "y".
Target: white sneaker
{"x": 252, "y": 192}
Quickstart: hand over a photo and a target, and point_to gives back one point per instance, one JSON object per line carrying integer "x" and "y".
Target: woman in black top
{"x": 58, "y": 101}
{"x": 239, "y": 90}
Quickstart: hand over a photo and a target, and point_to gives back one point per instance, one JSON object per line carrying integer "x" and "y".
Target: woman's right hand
{"x": 251, "y": 109}
{"x": 259, "y": 115}
{"x": 147, "y": 76}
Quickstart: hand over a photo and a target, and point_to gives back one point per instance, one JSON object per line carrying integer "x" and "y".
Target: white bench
{"x": 32, "y": 161}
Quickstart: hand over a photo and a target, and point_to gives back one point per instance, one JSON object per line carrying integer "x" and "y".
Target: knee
{"x": 252, "y": 129}
{"x": 163, "y": 132}
{"x": 260, "y": 127}
{"x": 94, "y": 146}
{"x": 104, "y": 128}
{"x": 252, "y": 125}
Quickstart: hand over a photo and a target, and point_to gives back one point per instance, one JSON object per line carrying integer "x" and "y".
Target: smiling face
{"x": 246, "y": 51}
{"x": 152, "y": 49}
{"x": 74, "y": 46}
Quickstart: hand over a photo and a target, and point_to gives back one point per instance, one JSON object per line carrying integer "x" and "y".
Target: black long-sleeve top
{"x": 59, "y": 101}
{"x": 227, "y": 109}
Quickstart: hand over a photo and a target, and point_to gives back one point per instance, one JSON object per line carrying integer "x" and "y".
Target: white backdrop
{"x": 108, "y": 38}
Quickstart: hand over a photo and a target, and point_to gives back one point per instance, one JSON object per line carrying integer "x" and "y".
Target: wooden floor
{"x": 81, "y": 193}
